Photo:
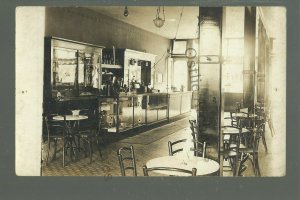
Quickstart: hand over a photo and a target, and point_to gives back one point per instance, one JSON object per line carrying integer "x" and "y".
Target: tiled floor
{"x": 271, "y": 163}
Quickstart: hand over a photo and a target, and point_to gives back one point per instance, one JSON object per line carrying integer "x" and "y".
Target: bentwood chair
{"x": 127, "y": 160}
{"x": 234, "y": 121}
{"x": 263, "y": 133}
{"x": 252, "y": 124}
{"x": 146, "y": 170}
{"x": 252, "y": 149}
{"x": 88, "y": 131}
{"x": 55, "y": 131}
{"x": 231, "y": 150}
{"x": 198, "y": 148}
{"x": 242, "y": 166}
{"x": 267, "y": 116}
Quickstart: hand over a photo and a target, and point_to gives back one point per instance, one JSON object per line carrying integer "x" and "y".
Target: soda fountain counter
{"x": 131, "y": 111}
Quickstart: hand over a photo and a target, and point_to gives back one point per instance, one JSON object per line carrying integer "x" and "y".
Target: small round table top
{"x": 204, "y": 166}
{"x": 244, "y": 115}
{"x": 233, "y": 130}
{"x": 70, "y": 117}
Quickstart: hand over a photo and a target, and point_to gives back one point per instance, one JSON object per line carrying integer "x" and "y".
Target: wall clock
{"x": 190, "y": 53}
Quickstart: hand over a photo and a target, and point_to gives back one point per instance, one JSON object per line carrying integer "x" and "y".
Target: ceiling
{"x": 142, "y": 17}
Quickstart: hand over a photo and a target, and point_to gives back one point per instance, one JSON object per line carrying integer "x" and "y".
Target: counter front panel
{"x": 136, "y": 110}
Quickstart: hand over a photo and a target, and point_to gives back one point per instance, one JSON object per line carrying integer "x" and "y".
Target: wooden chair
{"x": 252, "y": 150}
{"x": 125, "y": 155}
{"x": 231, "y": 150}
{"x": 242, "y": 166}
{"x": 88, "y": 132}
{"x": 195, "y": 129}
{"x": 193, "y": 126}
{"x": 146, "y": 170}
{"x": 262, "y": 123}
{"x": 198, "y": 148}
{"x": 252, "y": 124}
{"x": 55, "y": 131}
{"x": 234, "y": 121}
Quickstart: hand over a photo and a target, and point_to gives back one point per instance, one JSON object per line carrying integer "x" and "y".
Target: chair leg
{"x": 237, "y": 167}
{"x": 253, "y": 165}
{"x": 63, "y": 153}
{"x": 90, "y": 149}
{"x": 48, "y": 152}
{"x": 70, "y": 145}
{"x": 73, "y": 148}
{"x": 78, "y": 143}
{"x": 264, "y": 141}
{"x": 233, "y": 163}
{"x": 85, "y": 147}
{"x": 271, "y": 127}
{"x": 257, "y": 166}
{"x": 55, "y": 149}
{"x": 98, "y": 146}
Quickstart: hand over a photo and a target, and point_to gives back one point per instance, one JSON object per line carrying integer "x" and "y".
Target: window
{"x": 232, "y": 74}
{"x": 179, "y": 47}
{"x": 180, "y": 75}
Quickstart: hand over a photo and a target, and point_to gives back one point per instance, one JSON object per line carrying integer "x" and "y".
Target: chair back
{"x": 246, "y": 122}
{"x": 199, "y": 148}
{"x": 146, "y": 170}
{"x": 53, "y": 127}
{"x": 259, "y": 111}
{"x": 195, "y": 129}
{"x": 234, "y": 121}
{"x": 127, "y": 160}
{"x": 257, "y": 134}
{"x": 172, "y": 146}
{"x": 90, "y": 122}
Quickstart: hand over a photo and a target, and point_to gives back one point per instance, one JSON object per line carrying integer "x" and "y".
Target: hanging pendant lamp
{"x": 158, "y": 21}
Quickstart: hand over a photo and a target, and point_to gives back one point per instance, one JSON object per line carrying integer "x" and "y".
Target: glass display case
{"x": 108, "y": 110}
{"x": 139, "y": 113}
{"x": 132, "y": 111}
{"x": 126, "y": 114}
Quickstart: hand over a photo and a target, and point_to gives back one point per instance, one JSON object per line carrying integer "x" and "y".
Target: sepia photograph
{"x": 143, "y": 91}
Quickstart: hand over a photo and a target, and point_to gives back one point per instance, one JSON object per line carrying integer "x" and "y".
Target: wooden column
{"x": 249, "y": 57}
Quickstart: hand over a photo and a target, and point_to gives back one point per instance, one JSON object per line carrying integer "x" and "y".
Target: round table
{"x": 72, "y": 120}
{"x": 244, "y": 115}
{"x": 70, "y": 117}
{"x": 204, "y": 166}
{"x": 70, "y": 126}
{"x": 233, "y": 130}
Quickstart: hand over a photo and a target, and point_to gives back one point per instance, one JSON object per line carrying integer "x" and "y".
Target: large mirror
{"x": 74, "y": 72}
{"x": 64, "y": 69}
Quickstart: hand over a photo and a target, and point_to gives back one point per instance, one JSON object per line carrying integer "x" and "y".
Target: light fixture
{"x": 159, "y": 22}
{"x": 126, "y": 12}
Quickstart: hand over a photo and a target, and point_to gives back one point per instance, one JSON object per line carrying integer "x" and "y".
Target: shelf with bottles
{"x": 113, "y": 58}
